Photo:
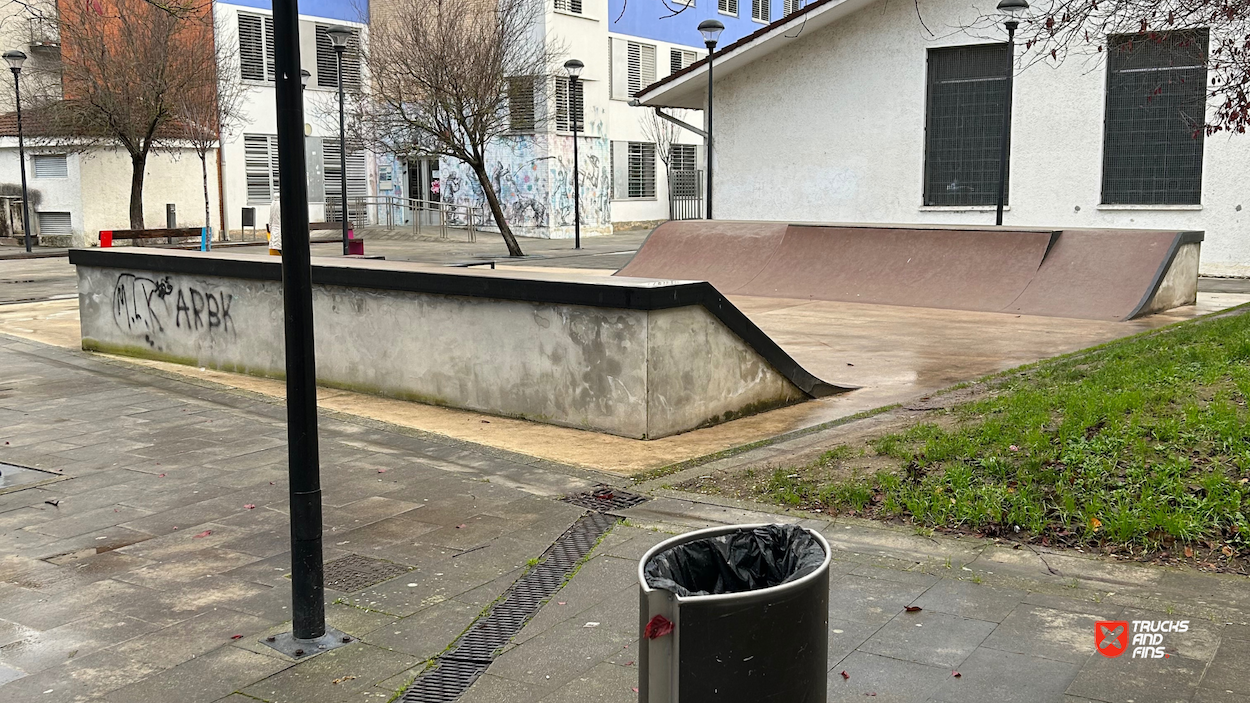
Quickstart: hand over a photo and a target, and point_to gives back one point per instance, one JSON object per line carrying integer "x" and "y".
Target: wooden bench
{"x": 108, "y": 236}
{"x": 355, "y": 245}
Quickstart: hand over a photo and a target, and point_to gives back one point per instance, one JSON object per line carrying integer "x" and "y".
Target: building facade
{"x": 885, "y": 122}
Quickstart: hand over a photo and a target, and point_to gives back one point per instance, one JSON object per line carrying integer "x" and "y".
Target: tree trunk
{"x": 496, "y": 210}
{"x": 208, "y": 222}
{"x": 138, "y": 164}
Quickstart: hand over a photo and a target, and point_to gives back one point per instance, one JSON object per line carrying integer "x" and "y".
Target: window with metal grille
{"x": 684, "y": 157}
{"x": 641, "y": 170}
{"x": 521, "y": 103}
{"x": 357, "y": 177}
{"x": 789, "y": 7}
{"x": 574, "y": 6}
{"x": 760, "y": 10}
{"x": 256, "y": 61}
{"x": 964, "y": 110}
{"x": 51, "y": 223}
{"x": 569, "y": 106}
{"x": 728, "y": 7}
{"x": 679, "y": 59}
{"x": 260, "y": 159}
{"x": 1156, "y": 109}
{"x": 641, "y": 66}
{"x": 683, "y": 164}
{"x": 327, "y": 60}
{"x": 50, "y": 166}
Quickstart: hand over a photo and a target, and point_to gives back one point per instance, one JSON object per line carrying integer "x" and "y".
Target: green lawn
{"x": 1141, "y": 445}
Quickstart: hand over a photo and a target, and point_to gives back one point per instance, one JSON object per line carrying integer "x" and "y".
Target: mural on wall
{"x": 594, "y": 181}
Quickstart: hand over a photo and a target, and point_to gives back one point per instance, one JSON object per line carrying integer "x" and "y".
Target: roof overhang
{"x": 688, "y": 88}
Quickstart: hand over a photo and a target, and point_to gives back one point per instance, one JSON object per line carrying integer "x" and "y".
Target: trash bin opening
{"x": 748, "y": 559}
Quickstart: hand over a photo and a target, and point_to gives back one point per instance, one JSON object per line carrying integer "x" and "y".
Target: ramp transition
{"x": 1100, "y": 274}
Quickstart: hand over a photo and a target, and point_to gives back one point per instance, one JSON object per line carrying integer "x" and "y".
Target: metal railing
{"x": 392, "y": 212}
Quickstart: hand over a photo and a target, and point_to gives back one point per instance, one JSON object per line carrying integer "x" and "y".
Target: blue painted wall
{"x": 346, "y": 10}
{"x": 646, "y": 19}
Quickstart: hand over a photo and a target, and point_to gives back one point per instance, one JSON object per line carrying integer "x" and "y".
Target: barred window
{"x": 679, "y": 59}
{"x": 641, "y": 170}
{"x": 569, "y": 106}
{"x": 728, "y": 7}
{"x": 683, "y": 157}
{"x": 641, "y": 66}
{"x": 964, "y": 111}
{"x": 760, "y": 10}
{"x": 683, "y": 176}
{"x": 256, "y": 60}
{"x": 1156, "y": 109}
{"x": 521, "y": 104}
{"x": 574, "y": 6}
{"x": 327, "y": 61}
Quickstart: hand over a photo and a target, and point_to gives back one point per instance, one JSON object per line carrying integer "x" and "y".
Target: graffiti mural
{"x": 153, "y": 309}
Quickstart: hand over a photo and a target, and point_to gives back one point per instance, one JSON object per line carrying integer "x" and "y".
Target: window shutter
{"x": 50, "y": 166}
{"x": 273, "y": 161}
{"x": 256, "y": 165}
{"x": 327, "y": 60}
{"x": 55, "y": 223}
{"x": 679, "y": 59}
{"x": 619, "y": 75}
{"x": 271, "y": 71}
{"x": 521, "y": 103}
{"x": 647, "y": 68}
{"x": 760, "y": 10}
{"x": 728, "y": 7}
{"x": 251, "y": 48}
{"x": 562, "y": 104}
{"x": 790, "y": 7}
{"x": 620, "y": 170}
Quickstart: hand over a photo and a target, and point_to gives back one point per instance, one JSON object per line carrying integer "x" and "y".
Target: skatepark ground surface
{"x": 893, "y": 353}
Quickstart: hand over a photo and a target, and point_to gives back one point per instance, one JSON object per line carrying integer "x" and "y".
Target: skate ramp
{"x": 1100, "y": 274}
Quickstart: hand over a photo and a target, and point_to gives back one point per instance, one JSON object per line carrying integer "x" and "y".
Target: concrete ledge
{"x": 636, "y": 357}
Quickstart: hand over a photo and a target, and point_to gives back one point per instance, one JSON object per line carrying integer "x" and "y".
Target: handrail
{"x": 448, "y": 213}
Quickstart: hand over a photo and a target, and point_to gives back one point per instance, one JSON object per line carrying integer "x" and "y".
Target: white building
{"x": 850, "y": 111}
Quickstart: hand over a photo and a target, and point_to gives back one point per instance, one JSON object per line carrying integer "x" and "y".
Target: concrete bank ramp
{"x": 635, "y": 357}
{"x": 1099, "y": 274}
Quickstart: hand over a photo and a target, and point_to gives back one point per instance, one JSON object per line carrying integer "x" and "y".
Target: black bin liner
{"x": 745, "y": 560}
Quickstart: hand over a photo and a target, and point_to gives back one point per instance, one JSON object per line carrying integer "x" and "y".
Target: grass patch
{"x": 1140, "y": 445}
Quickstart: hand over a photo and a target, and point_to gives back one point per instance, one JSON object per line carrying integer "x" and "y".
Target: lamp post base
{"x": 297, "y": 648}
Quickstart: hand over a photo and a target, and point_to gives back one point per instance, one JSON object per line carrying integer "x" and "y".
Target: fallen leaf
{"x": 205, "y": 533}
{"x": 341, "y": 679}
{"x": 845, "y": 676}
{"x": 160, "y": 475}
{"x": 634, "y": 689}
{"x": 658, "y": 626}
{"x": 560, "y": 602}
{"x": 382, "y": 471}
{"x": 956, "y": 674}
{"x": 629, "y": 663}
{"x": 236, "y": 637}
{"x": 913, "y": 609}
{"x": 1226, "y": 551}
{"x": 1094, "y": 524}
{"x": 249, "y": 506}
{"x": 1189, "y": 552}
{"x": 487, "y": 422}
{"x": 461, "y": 525}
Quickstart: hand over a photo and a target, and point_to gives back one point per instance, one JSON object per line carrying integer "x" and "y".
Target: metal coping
{"x": 604, "y": 293}
{"x": 356, "y": 573}
{"x": 604, "y": 498}
{"x": 471, "y": 654}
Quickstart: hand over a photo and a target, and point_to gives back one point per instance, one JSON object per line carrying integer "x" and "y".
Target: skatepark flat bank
{"x": 633, "y": 357}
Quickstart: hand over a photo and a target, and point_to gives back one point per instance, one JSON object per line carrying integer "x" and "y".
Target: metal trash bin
{"x": 735, "y": 614}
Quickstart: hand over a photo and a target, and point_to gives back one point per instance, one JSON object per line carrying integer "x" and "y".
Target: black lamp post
{"x": 710, "y": 29}
{"x": 574, "y": 68}
{"x": 339, "y": 37}
{"x": 16, "y": 59}
{"x": 1011, "y": 8}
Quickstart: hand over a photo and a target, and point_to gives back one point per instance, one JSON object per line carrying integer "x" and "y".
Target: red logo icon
{"x": 1111, "y": 637}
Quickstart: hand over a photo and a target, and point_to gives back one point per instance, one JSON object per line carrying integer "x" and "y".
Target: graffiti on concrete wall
{"x": 594, "y": 182}
{"x": 154, "y": 309}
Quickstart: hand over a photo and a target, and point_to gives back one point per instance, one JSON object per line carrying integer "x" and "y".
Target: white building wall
{"x": 46, "y": 194}
{"x": 170, "y": 177}
{"x": 831, "y": 128}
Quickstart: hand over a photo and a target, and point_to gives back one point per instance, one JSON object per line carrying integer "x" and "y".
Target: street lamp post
{"x": 1011, "y": 8}
{"x": 15, "y": 60}
{"x": 574, "y": 68}
{"x": 339, "y": 36}
{"x": 710, "y": 29}
{"x": 304, "y": 75}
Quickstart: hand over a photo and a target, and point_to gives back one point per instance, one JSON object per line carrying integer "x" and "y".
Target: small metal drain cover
{"x": 605, "y": 498}
{"x": 354, "y": 572}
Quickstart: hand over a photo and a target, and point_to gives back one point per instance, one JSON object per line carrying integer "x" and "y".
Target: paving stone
{"x": 1123, "y": 680}
{"x": 173, "y": 645}
{"x": 845, "y": 636}
{"x": 605, "y": 683}
{"x": 889, "y": 573}
{"x": 426, "y": 633}
{"x": 494, "y": 689}
{"x": 8, "y": 673}
{"x": 489, "y": 592}
{"x": 1200, "y": 642}
{"x": 970, "y": 600}
{"x": 869, "y": 600}
{"x": 559, "y": 654}
{"x": 187, "y": 567}
{"x": 477, "y": 529}
{"x": 1227, "y": 671}
{"x": 76, "y": 523}
{"x": 1046, "y": 632}
{"x": 928, "y": 637}
{"x": 313, "y": 681}
{"x": 1006, "y": 677}
{"x": 1210, "y": 695}
{"x": 892, "y": 680}
{"x": 202, "y": 679}
{"x": 79, "y": 679}
{"x": 598, "y": 580}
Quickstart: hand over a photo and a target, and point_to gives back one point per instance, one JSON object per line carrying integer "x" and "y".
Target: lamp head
{"x": 1013, "y": 8}
{"x": 339, "y": 36}
{"x": 711, "y": 29}
{"x": 304, "y": 75}
{"x": 15, "y": 59}
{"x": 574, "y": 67}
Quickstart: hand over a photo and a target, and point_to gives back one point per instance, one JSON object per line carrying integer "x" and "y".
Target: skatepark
{"x": 914, "y": 327}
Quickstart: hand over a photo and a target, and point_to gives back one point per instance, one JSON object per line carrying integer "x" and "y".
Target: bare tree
{"x": 440, "y": 76}
{"x": 662, "y": 133}
{"x": 1057, "y": 30}
{"x": 207, "y": 112}
{"x": 125, "y": 67}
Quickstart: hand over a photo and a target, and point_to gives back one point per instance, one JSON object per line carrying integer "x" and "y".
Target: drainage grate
{"x": 476, "y": 648}
{"x": 605, "y": 498}
{"x": 354, "y": 572}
